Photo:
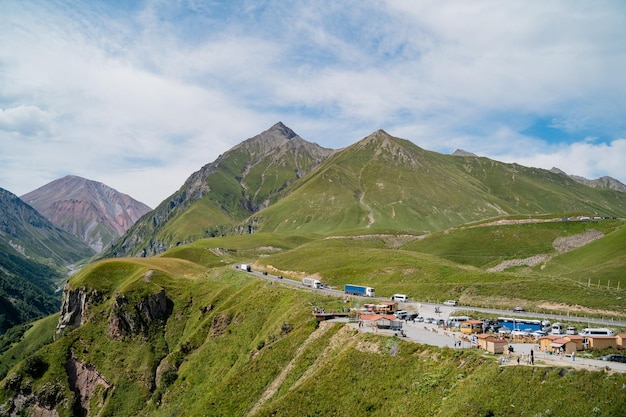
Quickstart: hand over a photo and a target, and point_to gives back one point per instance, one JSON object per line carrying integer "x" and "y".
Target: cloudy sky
{"x": 140, "y": 94}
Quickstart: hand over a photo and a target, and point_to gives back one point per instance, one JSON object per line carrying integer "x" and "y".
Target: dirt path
{"x": 278, "y": 381}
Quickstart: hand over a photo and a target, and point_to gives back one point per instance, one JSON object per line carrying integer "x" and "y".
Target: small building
{"x": 546, "y": 341}
{"x": 621, "y": 340}
{"x": 601, "y": 342}
{"x": 382, "y": 321}
{"x": 471, "y": 326}
{"x": 482, "y": 339}
{"x": 496, "y": 345}
{"x": 563, "y": 346}
{"x": 576, "y": 339}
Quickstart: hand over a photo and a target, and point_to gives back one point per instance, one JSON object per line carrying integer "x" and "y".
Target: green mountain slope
{"x": 601, "y": 261}
{"x": 384, "y": 183}
{"x": 166, "y": 336}
{"x": 214, "y": 200}
{"x": 34, "y": 257}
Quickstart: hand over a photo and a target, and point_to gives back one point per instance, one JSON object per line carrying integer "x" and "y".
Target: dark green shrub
{"x": 35, "y": 366}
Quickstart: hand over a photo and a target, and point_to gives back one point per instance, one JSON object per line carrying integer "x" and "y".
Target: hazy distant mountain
{"x": 33, "y": 254}
{"x": 96, "y": 213}
{"x": 242, "y": 181}
{"x": 602, "y": 182}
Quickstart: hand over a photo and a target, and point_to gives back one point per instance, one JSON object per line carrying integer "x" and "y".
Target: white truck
{"x": 245, "y": 267}
{"x": 311, "y": 282}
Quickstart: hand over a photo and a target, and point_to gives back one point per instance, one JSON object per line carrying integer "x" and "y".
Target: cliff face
{"x": 75, "y": 306}
{"x": 94, "y": 212}
{"x": 129, "y": 319}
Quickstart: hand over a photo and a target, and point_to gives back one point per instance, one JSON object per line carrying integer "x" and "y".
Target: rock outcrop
{"x": 128, "y": 319}
{"x": 84, "y": 379}
{"x": 75, "y": 306}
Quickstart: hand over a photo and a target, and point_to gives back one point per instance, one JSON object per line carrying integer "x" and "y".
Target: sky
{"x": 141, "y": 94}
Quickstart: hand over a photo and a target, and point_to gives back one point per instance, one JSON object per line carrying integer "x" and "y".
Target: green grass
{"x": 497, "y": 243}
{"x": 225, "y": 343}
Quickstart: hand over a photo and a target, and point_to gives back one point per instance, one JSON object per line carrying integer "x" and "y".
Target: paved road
{"x": 427, "y": 309}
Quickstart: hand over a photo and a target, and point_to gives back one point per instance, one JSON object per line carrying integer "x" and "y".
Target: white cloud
{"x": 586, "y": 158}
{"x": 141, "y": 98}
{"x": 25, "y": 120}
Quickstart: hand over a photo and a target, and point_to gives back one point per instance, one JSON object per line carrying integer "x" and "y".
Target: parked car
{"x": 419, "y": 319}
{"x": 538, "y": 333}
{"x": 401, "y": 314}
{"x": 519, "y": 332}
{"x": 519, "y": 310}
{"x": 440, "y": 322}
{"x": 429, "y": 320}
{"x": 614, "y": 357}
{"x": 504, "y": 330}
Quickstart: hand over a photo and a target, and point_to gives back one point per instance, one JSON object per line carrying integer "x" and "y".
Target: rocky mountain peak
{"x": 461, "y": 152}
{"x": 91, "y": 210}
{"x": 602, "y": 182}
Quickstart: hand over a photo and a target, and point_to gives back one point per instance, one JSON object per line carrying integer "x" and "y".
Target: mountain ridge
{"x": 381, "y": 182}
{"x": 223, "y": 193}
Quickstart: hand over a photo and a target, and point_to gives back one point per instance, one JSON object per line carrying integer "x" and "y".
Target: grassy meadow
{"x": 236, "y": 345}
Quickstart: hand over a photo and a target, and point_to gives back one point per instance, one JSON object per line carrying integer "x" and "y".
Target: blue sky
{"x": 139, "y": 95}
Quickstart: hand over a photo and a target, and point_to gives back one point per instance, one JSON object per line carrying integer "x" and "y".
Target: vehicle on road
{"x": 311, "y": 282}
{"x": 359, "y": 290}
{"x": 450, "y": 303}
{"x": 519, "y": 310}
{"x": 400, "y": 298}
{"x": 246, "y": 267}
{"x": 614, "y": 357}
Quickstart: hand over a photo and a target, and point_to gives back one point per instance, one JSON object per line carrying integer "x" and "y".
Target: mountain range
{"x": 164, "y": 324}
{"x": 278, "y": 182}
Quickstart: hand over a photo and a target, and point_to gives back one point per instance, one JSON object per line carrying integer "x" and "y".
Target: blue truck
{"x": 359, "y": 290}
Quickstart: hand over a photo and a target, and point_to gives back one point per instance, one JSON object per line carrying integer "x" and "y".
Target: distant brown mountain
{"x": 93, "y": 211}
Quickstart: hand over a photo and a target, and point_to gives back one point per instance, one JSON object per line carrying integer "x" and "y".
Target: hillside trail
{"x": 278, "y": 381}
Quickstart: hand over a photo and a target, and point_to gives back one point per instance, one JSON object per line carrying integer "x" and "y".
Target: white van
{"x": 557, "y": 329}
{"x": 597, "y": 331}
{"x": 400, "y": 298}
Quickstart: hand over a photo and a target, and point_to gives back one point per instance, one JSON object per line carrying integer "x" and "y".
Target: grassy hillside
{"x": 599, "y": 261}
{"x": 505, "y": 241}
{"x": 383, "y": 184}
{"x": 232, "y": 344}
